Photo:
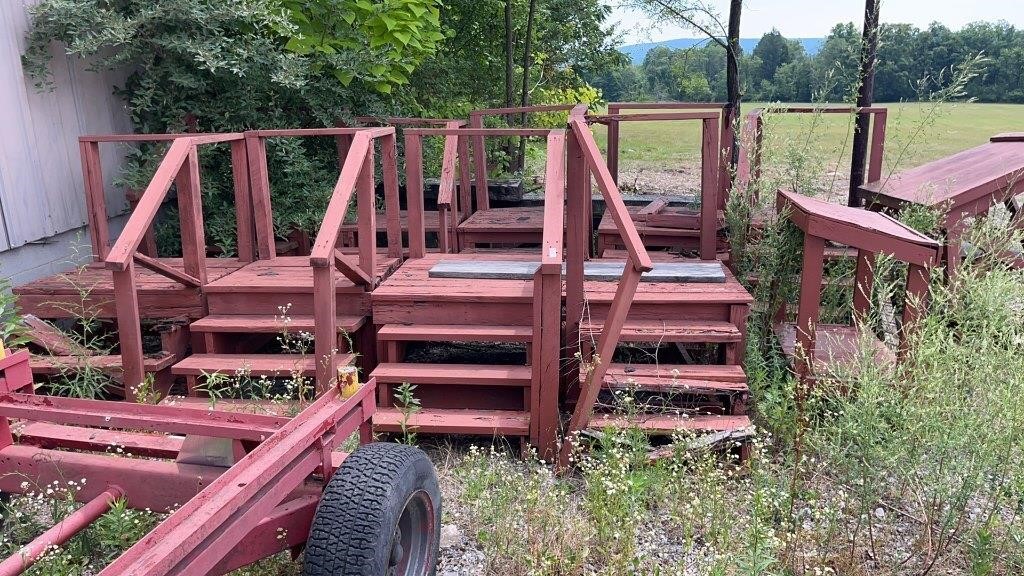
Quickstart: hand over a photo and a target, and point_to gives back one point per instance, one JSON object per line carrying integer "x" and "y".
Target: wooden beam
{"x": 159, "y": 267}
{"x": 414, "y": 194}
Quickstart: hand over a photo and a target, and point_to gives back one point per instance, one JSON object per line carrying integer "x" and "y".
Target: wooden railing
{"x": 356, "y": 178}
{"x": 180, "y": 166}
{"x": 725, "y": 139}
{"x": 711, "y": 165}
{"x": 476, "y": 120}
{"x": 452, "y": 209}
{"x": 584, "y": 158}
{"x": 748, "y": 168}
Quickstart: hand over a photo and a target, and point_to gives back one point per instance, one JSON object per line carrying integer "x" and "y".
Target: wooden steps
{"x": 267, "y": 324}
{"x": 665, "y": 424}
{"x": 270, "y": 365}
{"x": 455, "y": 421}
{"x": 653, "y": 331}
{"x": 458, "y": 374}
{"x": 453, "y": 333}
{"x": 106, "y": 363}
{"x": 684, "y": 378}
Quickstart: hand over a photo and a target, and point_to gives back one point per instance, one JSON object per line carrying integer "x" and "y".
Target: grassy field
{"x": 936, "y": 131}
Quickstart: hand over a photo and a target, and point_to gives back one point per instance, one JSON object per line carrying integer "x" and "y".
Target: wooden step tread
{"x": 454, "y": 333}
{"x": 478, "y": 374}
{"x": 664, "y": 424}
{"x": 670, "y": 331}
{"x": 54, "y": 365}
{"x": 280, "y": 365}
{"x": 436, "y": 420}
{"x": 717, "y": 372}
{"x": 267, "y": 324}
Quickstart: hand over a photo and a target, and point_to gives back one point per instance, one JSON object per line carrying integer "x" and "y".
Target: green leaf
{"x": 402, "y": 37}
{"x": 383, "y": 87}
{"x": 344, "y": 76}
{"x": 389, "y": 22}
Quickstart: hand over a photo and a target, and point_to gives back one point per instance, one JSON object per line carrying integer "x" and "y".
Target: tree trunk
{"x": 732, "y": 81}
{"x": 865, "y": 97}
{"x": 524, "y": 99}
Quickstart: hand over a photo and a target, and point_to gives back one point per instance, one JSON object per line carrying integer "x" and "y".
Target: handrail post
{"x": 414, "y": 194}
{"x": 190, "y": 209}
{"x": 613, "y": 143}
{"x": 576, "y": 250}
{"x": 259, "y": 182}
{"x": 366, "y": 203}
{"x": 392, "y": 207}
{"x": 709, "y": 191}
{"x": 246, "y": 231}
{"x": 877, "y": 145}
{"x": 465, "y": 183}
{"x": 129, "y": 330}
{"x": 483, "y": 201}
{"x": 95, "y": 199}
{"x": 325, "y": 330}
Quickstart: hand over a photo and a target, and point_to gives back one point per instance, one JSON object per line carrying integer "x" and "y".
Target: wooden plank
{"x": 42, "y": 333}
{"x": 245, "y": 227}
{"x": 483, "y": 201}
{"x": 265, "y": 324}
{"x": 322, "y": 254}
{"x": 709, "y": 190}
{"x": 366, "y": 204}
{"x": 706, "y": 272}
{"x": 667, "y": 424}
{"x": 476, "y": 374}
{"x": 554, "y": 205}
{"x": 454, "y": 421}
{"x": 669, "y": 330}
{"x": 281, "y": 365}
{"x": 259, "y": 183}
{"x": 453, "y": 333}
{"x": 392, "y": 207}
{"x": 171, "y": 272}
{"x": 128, "y": 329}
{"x": 95, "y": 200}
{"x": 717, "y": 372}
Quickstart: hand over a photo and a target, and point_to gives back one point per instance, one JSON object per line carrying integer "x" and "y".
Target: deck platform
{"x": 670, "y": 227}
{"x": 503, "y": 226}
{"x": 89, "y": 291}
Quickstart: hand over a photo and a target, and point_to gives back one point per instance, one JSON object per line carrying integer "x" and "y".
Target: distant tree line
{"x": 911, "y": 62}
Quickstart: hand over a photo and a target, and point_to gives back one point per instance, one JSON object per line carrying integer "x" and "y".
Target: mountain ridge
{"x": 637, "y": 52}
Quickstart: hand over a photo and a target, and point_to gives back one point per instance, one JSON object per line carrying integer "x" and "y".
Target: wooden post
{"x": 810, "y": 302}
{"x": 259, "y": 181}
{"x": 915, "y": 304}
{"x": 727, "y": 151}
{"x": 392, "y": 207}
{"x": 877, "y": 146}
{"x": 865, "y": 97}
{"x": 325, "y": 331}
{"x": 465, "y": 183}
{"x": 366, "y": 203}
{"x": 190, "y": 209}
{"x": 243, "y": 202}
{"x": 613, "y": 143}
{"x": 864, "y": 280}
{"x": 414, "y": 195}
{"x": 126, "y": 305}
{"x": 483, "y": 201}
{"x": 709, "y": 191}
{"x": 576, "y": 250}
{"x": 95, "y": 200}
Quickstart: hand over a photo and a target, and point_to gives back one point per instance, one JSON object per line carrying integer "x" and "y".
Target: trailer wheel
{"x": 380, "y": 515}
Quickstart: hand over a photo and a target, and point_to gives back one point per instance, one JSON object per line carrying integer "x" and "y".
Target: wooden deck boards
{"x": 835, "y": 347}
{"x": 728, "y": 292}
{"x": 287, "y": 274}
{"x": 60, "y": 295}
{"x": 412, "y": 281}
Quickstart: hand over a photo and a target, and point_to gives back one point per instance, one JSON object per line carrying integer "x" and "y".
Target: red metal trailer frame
{"x": 230, "y": 517}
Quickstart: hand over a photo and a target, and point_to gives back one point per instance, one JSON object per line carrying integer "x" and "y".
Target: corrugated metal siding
{"x": 41, "y": 190}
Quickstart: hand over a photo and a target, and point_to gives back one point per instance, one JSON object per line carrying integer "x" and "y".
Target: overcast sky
{"x": 814, "y": 18}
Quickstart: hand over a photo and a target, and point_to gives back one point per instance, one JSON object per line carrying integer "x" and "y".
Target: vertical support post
{"x": 392, "y": 207}
{"x": 246, "y": 230}
{"x": 877, "y": 145}
{"x": 325, "y": 331}
{"x": 190, "y": 209}
{"x": 576, "y": 250}
{"x": 483, "y": 201}
{"x": 414, "y": 194}
{"x": 709, "y": 191}
{"x": 613, "y": 143}
{"x": 126, "y": 305}
{"x": 864, "y": 280}
{"x": 727, "y": 151}
{"x": 342, "y": 143}
{"x": 366, "y": 201}
{"x": 736, "y": 351}
{"x": 95, "y": 200}
{"x": 259, "y": 182}
{"x": 915, "y": 304}
{"x": 810, "y": 295}
{"x": 465, "y": 183}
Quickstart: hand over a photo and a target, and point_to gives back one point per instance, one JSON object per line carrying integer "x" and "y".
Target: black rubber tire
{"x": 357, "y": 517}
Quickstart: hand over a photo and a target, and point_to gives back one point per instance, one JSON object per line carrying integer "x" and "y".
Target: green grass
{"x": 955, "y": 127}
